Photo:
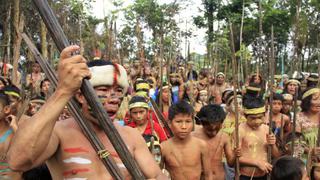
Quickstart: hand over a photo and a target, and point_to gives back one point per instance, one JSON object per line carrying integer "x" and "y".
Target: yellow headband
{"x": 253, "y": 88}
{"x": 294, "y": 81}
{"x": 143, "y": 86}
{"x": 12, "y": 93}
{"x": 310, "y": 92}
{"x": 138, "y": 104}
{"x": 203, "y": 92}
{"x": 255, "y": 110}
{"x": 142, "y": 93}
{"x": 312, "y": 79}
{"x": 165, "y": 87}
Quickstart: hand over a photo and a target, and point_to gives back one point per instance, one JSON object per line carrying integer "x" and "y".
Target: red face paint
{"x": 75, "y": 150}
{"x": 75, "y": 171}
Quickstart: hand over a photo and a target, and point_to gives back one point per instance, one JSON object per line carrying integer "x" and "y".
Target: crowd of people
{"x": 179, "y": 126}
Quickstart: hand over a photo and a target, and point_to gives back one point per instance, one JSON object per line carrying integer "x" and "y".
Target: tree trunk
{"x": 110, "y": 41}
{"x": 44, "y": 44}
{"x": 140, "y": 52}
{"x": 7, "y": 34}
{"x": 18, "y": 23}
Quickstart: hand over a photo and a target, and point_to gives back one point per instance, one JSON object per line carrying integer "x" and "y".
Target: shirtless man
{"x": 211, "y": 118}
{"x": 219, "y": 86}
{"x": 7, "y": 129}
{"x": 34, "y": 79}
{"x": 254, "y": 139}
{"x": 185, "y": 156}
{"x": 62, "y": 144}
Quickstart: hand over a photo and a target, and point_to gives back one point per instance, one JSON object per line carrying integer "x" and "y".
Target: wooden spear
{"x": 235, "y": 100}
{"x": 76, "y": 112}
{"x": 295, "y": 109}
{"x": 271, "y": 83}
{"x": 160, "y": 117}
{"x": 113, "y": 135}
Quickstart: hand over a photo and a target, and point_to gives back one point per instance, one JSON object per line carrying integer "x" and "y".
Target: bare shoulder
{"x": 225, "y": 137}
{"x": 285, "y": 117}
{"x": 127, "y": 131}
{"x": 265, "y": 128}
{"x": 201, "y": 143}
{"x": 165, "y": 147}
{"x": 197, "y": 133}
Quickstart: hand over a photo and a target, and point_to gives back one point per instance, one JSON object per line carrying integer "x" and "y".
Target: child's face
{"x": 315, "y": 103}
{"x": 233, "y": 108}
{"x": 139, "y": 115}
{"x": 211, "y": 129}
{"x": 4, "y": 111}
{"x": 276, "y": 106}
{"x": 316, "y": 173}
{"x": 299, "y": 147}
{"x": 254, "y": 121}
{"x": 287, "y": 105}
{"x": 182, "y": 125}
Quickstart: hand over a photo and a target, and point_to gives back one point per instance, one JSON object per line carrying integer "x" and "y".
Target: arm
{"x": 35, "y": 140}
{"x": 205, "y": 159}
{"x": 144, "y": 158}
{"x": 228, "y": 150}
{"x": 34, "y": 136}
{"x": 271, "y": 141}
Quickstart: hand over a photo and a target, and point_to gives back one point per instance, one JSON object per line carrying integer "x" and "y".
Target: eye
{"x": 119, "y": 89}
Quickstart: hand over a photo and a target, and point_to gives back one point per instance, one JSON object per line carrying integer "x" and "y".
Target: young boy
{"x": 281, "y": 122}
{"x": 254, "y": 139}
{"x": 185, "y": 156}
{"x": 211, "y": 117}
{"x": 288, "y": 167}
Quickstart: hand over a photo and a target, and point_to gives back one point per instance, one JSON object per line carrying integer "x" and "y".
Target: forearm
{"x": 33, "y": 136}
{"x": 231, "y": 160}
{"x": 275, "y": 151}
{"x": 248, "y": 162}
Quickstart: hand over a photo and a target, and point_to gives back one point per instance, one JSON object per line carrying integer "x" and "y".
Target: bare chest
{"x": 76, "y": 158}
{"x": 254, "y": 143}
{"x": 186, "y": 157}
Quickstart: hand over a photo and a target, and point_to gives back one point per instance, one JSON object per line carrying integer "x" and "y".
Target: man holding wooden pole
{"x": 62, "y": 144}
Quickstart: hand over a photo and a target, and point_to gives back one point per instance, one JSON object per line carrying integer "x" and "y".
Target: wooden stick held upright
{"x": 295, "y": 109}
{"x": 271, "y": 83}
{"x": 235, "y": 100}
{"x": 105, "y": 122}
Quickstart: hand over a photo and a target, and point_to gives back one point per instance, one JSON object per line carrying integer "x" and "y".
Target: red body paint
{"x": 75, "y": 171}
{"x": 75, "y": 150}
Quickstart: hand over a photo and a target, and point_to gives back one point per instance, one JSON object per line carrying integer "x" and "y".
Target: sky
{"x": 102, "y": 8}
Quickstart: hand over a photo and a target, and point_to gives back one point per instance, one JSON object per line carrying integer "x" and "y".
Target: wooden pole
{"x": 235, "y": 100}
{"x": 271, "y": 83}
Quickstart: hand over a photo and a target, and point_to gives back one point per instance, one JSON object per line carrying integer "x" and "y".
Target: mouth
{"x": 112, "y": 114}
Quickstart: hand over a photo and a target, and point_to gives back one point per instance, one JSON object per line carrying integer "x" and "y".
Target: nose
{"x": 183, "y": 125}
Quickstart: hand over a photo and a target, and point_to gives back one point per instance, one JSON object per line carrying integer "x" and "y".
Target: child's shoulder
{"x": 199, "y": 142}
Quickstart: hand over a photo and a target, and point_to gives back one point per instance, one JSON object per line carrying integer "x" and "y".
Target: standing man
{"x": 62, "y": 144}
{"x": 219, "y": 86}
